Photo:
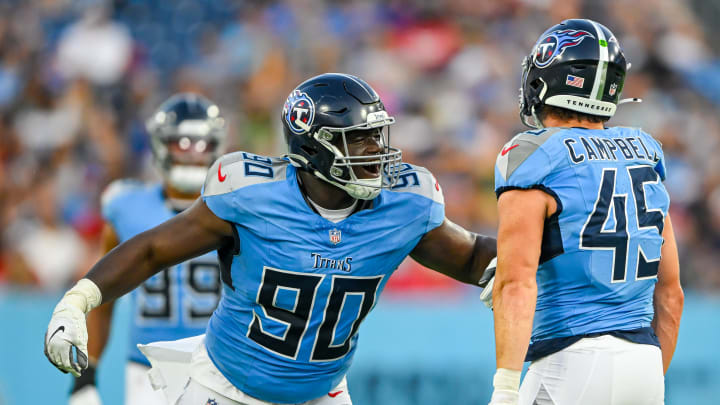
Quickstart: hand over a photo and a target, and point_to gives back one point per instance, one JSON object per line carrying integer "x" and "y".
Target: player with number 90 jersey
{"x": 601, "y": 249}
{"x": 176, "y": 302}
{"x": 299, "y": 285}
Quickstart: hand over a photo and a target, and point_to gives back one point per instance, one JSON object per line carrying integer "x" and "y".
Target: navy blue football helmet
{"x": 577, "y": 65}
{"x": 187, "y": 134}
{"x": 316, "y": 117}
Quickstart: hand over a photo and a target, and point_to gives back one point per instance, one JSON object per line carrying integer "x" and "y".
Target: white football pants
{"x": 603, "y": 370}
{"x": 137, "y": 386}
{"x": 198, "y": 394}
{"x": 183, "y": 370}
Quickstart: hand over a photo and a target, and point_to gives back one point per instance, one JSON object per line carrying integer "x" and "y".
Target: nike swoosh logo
{"x": 508, "y": 149}
{"x": 220, "y": 175}
{"x": 334, "y": 394}
{"x": 59, "y": 329}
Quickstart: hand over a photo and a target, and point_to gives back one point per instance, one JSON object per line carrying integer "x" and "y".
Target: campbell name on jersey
{"x": 298, "y": 285}
{"x": 177, "y": 302}
{"x": 601, "y": 250}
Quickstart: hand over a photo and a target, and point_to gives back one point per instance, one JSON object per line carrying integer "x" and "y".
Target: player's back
{"x": 601, "y": 250}
{"x": 176, "y": 302}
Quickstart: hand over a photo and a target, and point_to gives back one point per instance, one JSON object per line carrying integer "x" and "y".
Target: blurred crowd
{"x": 78, "y": 78}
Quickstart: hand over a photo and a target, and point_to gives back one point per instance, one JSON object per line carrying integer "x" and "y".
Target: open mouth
{"x": 372, "y": 170}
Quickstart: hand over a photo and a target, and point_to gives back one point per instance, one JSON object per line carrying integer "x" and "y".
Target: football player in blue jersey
{"x": 598, "y": 317}
{"x": 306, "y": 244}
{"x": 187, "y": 135}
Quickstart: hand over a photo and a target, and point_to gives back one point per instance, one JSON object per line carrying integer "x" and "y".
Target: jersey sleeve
{"x": 221, "y": 180}
{"x": 227, "y": 189}
{"x": 523, "y": 163}
{"x": 437, "y": 207}
{"x": 419, "y": 181}
{"x": 112, "y": 198}
{"x": 658, "y": 156}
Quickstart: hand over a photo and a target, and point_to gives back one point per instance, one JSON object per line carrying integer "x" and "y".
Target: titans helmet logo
{"x": 299, "y": 112}
{"x": 554, "y": 44}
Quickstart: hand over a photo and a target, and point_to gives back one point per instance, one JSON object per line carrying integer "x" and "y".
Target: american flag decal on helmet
{"x": 575, "y": 81}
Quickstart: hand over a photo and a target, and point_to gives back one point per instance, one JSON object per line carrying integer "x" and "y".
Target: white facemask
{"x": 187, "y": 179}
{"x": 367, "y": 190}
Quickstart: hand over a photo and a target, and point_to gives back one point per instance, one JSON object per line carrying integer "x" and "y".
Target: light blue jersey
{"x": 601, "y": 250}
{"x": 300, "y": 285}
{"x": 175, "y": 303}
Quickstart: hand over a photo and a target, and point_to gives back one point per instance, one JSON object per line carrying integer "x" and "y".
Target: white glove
{"x": 87, "y": 395}
{"x": 506, "y": 385}
{"x": 488, "y": 279}
{"x": 67, "y": 328}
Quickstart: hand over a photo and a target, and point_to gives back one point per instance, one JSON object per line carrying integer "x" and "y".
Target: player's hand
{"x": 67, "y": 330}
{"x": 487, "y": 281}
{"x": 84, "y": 390}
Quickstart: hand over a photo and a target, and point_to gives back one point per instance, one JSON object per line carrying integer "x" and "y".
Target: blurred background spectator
{"x": 78, "y": 77}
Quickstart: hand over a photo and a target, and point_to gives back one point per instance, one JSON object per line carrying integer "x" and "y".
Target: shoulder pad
{"x": 418, "y": 180}
{"x": 119, "y": 188}
{"x": 241, "y": 169}
{"x": 520, "y": 147}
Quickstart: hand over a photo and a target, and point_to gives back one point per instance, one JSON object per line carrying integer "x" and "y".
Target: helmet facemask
{"x": 341, "y": 172}
{"x": 329, "y": 121}
{"x": 183, "y": 151}
{"x": 531, "y": 95}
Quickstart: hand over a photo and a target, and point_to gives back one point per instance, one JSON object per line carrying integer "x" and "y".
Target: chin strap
{"x": 357, "y": 191}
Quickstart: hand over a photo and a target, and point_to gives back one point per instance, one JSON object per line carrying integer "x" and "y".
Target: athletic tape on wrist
{"x": 85, "y": 295}
{"x": 506, "y": 379}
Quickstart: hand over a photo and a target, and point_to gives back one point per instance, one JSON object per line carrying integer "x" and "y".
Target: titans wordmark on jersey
{"x": 177, "y": 302}
{"x": 299, "y": 285}
{"x": 601, "y": 250}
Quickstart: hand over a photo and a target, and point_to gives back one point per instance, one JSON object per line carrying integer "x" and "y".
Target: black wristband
{"x": 86, "y": 378}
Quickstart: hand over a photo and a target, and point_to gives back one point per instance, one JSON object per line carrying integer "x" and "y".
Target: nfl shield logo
{"x": 613, "y": 89}
{"x": 335, "y": 236}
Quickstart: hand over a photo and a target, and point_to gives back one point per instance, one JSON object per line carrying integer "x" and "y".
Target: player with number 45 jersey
{"x": 187, "y": 134}
{"x": 587, "y": 203}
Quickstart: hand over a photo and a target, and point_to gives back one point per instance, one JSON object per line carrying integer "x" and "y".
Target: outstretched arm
{"x": 189, "y": 234}
{"x": 455, "y": 252}
{"x": 193, "y": 232}
{"x": 668, "y": 299}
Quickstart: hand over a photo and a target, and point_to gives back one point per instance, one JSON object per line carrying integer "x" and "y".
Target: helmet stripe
{"x": 602, "y": 67}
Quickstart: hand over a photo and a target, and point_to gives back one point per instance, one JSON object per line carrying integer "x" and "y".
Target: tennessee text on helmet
{"x": 317, "y": 117}
{"x": 577, "y": 65}
{"x": 187, "y": 135}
